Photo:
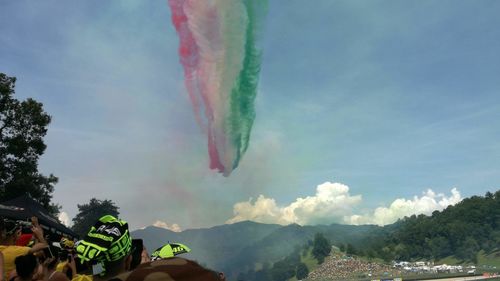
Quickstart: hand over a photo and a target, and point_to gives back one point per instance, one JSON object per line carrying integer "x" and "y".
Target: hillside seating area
{"x": 342, "y": 267}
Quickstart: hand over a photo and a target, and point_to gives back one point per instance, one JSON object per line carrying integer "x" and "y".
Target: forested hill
{"x": 461, "y": 230}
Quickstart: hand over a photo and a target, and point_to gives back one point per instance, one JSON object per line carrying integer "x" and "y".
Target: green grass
{"x": 451, "y": 260}
{"x": 485, "y": 262}
{"x": 309, "y": 261}
{"x": 375, "y": 260}
{"x": 490, "y": 260}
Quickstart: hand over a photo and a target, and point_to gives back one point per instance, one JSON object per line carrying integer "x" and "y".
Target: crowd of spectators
{"x": 341, "y": 267}
{"x": 106, "y": 252}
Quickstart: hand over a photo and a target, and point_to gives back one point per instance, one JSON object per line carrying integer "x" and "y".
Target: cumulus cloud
{"x": 399, "y": 208}
{"x": 333, "y": 203}
{"x": 173, "y": 227}
{"x": 64, "y": 218}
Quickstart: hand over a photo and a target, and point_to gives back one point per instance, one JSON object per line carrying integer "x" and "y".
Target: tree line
{"x": 461, "y": 230}
{"x": 292, "y": 265}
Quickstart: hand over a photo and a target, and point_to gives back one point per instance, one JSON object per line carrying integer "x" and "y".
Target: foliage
{"x": 89, "y": 213}
{"x": 23, "y": 125}
{"x": 342, "y": 247}
{"x": 461, "y": 230}
{"x": 321, "y": 247}
{"x": 282, "y": 270}
{"x": 351, "y": 250}
{"x": 302, "y": 271}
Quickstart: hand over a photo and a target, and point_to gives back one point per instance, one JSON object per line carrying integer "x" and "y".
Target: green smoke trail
{"x": 242, "y": 109}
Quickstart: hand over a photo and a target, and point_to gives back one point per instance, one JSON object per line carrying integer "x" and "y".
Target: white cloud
{"x": 399, "y": 208}
{"x": 64, "y": 218}
{"x": 173, "y": 227}
{"x": 333, "y": 203}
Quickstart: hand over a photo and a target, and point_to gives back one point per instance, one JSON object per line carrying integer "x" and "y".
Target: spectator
{"x": 171, "y": 269}
{"x": 109, "y": 244}
{"x": 50, "y": 273}
{"x": 1, "y": 268}
{"x": 9, "y": 232}
{"x": 66, "y": 259}
{"x": 145, "y": 256}
{"x": 26, "y": 267}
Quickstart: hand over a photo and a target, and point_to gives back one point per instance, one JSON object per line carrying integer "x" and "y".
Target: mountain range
{"x": 244, "y": 245}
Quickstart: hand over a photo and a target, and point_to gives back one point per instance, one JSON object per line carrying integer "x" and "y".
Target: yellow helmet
{"x": 67, "y": 243}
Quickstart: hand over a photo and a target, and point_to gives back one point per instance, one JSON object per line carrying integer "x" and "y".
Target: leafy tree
{"x": 282, "y": 271}
{"x": 440, "y": 247}
{"x": 342, "y": 247}
{"x": 89, "y": 213}
{"x": 302, "y": 271}
{"x": 351, "y": 250}
{"x": 386, "y": 254}
{"x": 370, "y": 254}
{"x": 293, "y": 258}
{"x": 321, "y": 247}
{"x": 401, "y": 252}
{"x": 23, "y": 125}
{"x": 468, "y": 251}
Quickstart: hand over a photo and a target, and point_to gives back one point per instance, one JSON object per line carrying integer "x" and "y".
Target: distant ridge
{"x": 231, "y": 247}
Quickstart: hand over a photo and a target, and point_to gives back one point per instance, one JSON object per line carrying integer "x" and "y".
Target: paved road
{"x": 461, "y": 278}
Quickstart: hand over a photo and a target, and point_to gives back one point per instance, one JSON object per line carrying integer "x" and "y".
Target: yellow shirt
{"x": 82, "y": 277}
{"x": 60, "y": 266}
{"x": 10, "y": 253}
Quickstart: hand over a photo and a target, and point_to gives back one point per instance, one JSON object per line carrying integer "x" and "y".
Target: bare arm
{"x": 38, "y": 233}
{"x": 72, "y": 266}
{"x": 1, "y": 267}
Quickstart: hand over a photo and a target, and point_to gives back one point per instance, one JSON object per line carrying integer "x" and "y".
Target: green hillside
{"x": 485, "y": 261}
{"x": 461, "y": 231}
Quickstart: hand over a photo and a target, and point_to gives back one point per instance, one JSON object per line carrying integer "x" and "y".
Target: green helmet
{"x": 108, "y": 240}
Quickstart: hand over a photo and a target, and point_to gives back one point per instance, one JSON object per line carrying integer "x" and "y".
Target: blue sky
{"x": 390, "y": 98}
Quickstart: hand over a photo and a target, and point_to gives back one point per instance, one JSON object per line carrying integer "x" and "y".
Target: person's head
{"x": 145, "y": 256}
{"x": 109, "y": 244}
{"x": 67, "y": 243}
{"x": 26, "y": 266}
{"x": 10, "y": 230}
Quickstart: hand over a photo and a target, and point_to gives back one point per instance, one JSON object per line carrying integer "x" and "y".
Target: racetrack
{"x": 462, "y": 278}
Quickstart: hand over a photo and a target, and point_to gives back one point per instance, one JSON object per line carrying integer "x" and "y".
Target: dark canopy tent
{"x": 12, "y": 212}
{"x": 24, "y": 207}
